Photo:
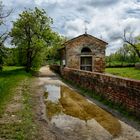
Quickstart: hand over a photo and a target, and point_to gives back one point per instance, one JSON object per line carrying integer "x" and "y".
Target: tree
{"x": 12, "y": 59}
{"x": 132, "y": 41}
{"x": 3, "y": 54}
{"x": 3, "y": 35}
{"x": 31, "y": 33}
{"x": 125, "y": 55}
{"x": 52, "y": 52}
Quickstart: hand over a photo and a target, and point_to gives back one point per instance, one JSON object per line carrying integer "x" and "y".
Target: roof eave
{"x": 67, "y": 42}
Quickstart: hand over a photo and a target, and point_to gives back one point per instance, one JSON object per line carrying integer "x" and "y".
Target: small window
{"x": 85, "y": 50}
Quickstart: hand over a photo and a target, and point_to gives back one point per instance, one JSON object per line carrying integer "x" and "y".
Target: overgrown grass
{"x": 125, "y": 72}
{"x": 28, "y": 126}
{"x": 25, "y": 129}
{"x": 10, "y": 77}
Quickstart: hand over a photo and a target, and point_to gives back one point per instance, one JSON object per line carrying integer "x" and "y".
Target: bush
{"x": 137, "y": 66}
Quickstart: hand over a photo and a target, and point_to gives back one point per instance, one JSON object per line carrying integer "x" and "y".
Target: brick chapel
{"x": 84, "y": 52}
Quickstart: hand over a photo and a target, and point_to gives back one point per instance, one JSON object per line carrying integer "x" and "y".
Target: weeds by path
{"x": 23, "y": 126}
{"x": 16, "y": 115}
{"x": 9, "y": 80}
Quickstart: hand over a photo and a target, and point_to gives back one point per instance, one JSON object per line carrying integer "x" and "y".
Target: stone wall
{"x": 119, "y": 90}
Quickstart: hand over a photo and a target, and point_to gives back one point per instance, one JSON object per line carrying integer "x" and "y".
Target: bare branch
{"x": 5, "y": 16}
{"x": 3, "y": 37}
{"x": 131, "y": 41}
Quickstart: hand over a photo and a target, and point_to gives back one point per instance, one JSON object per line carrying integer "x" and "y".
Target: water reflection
{"x": 70, "y": 111}
{"x": 53, "y": 92}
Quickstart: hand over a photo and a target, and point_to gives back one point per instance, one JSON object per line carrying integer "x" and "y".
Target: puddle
{"x": 76, "y": 116}
{"x": 53, "y": 92}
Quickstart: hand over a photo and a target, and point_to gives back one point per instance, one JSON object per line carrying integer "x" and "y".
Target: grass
{"x": 26, "y": 128}
{"x": 10, "y": 77}
{"x": 125, "y": 72}
{"x": 115, "y": 63}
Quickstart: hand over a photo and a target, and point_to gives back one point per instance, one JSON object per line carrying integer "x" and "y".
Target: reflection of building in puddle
{"x": 68, "y": 109}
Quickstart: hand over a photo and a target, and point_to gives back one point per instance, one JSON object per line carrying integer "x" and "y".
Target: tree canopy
{"x": 32, "y": 34}
{"x": 123, "y": 56}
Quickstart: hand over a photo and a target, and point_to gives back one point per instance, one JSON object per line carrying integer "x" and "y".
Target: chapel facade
{"x": 84, "y": 52}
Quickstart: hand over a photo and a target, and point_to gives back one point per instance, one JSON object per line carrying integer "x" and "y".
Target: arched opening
{"x": 85, "y": 50}
{"x": 86, "y": 59}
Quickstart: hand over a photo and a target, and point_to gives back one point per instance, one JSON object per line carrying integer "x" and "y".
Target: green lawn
{"x": 9, "y": 79}
{"x": 125, "y": 72}
{"x": 114, "y": 63}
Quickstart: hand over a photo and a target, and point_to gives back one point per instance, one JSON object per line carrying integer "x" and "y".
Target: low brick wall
{"x": 119, "y": 90}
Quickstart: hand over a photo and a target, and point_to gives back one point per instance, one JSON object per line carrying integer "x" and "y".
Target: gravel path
{"x": 48, "y": 77}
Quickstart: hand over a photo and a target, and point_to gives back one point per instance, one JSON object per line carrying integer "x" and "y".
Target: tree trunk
{"x": 29, "y": 58}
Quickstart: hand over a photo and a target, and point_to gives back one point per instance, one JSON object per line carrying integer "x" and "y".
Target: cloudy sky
{"x": 105, "y": 19}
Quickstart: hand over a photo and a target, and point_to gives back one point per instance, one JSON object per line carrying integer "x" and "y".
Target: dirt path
{"x": 45, "y": 108}
{"x": 59, "y": 126}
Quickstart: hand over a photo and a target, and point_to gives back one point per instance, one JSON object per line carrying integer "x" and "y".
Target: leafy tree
{"x": 12, "y": 59}
{"x": 3, "y": 54}
{"x": 52, "y": 52}
{"x": 125, "y": 54}
{"x": 32, "y": 34}
{"x": 3, "y": 35}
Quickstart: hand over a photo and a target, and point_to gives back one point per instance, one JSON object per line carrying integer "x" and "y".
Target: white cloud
{"x": 39, "y": 2}
{"x": 106, "y": 18}
{"x": 76, "y": 27}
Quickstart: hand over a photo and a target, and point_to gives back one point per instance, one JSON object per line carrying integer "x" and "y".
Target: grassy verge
{"x": 24, "y": 128}
{"x": 28, "y": 126}
{"x": 14, "y": 81}
{"x": 9, "y": 80}
{"x": 125, "y": 72}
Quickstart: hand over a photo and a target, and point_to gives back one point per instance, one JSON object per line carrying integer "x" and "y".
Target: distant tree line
{"x": 128, "y": 55}
{"x": 124, "y": 56}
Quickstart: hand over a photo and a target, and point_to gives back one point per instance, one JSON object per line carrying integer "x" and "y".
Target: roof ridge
{"x": 85, "y": 35}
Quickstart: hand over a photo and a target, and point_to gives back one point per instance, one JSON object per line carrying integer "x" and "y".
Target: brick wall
{"x": 119, "y": 90}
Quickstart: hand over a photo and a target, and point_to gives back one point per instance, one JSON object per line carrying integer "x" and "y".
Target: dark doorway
{"x": 86, "y": 63}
